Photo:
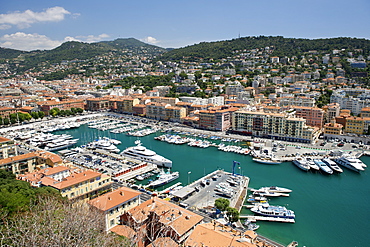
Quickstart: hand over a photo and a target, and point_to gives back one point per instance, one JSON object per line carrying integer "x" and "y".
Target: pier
{"x": 274, "y": 219}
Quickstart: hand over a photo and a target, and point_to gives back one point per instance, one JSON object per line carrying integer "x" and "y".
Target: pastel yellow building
{"x": 72, "y": 183}
{"x": 357, "y": 125}
{"x": 116, "y": 203}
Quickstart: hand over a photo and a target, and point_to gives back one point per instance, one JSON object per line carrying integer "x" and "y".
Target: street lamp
{"x": 189, "y": 172}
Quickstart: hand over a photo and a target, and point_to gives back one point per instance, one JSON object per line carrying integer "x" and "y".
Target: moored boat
{"x": 350, "y": 163}
{"x": 164, "y": 178}
{"x": 323, "y": 166}
{"x": 273, "y": 211}
{"x": 333, "y": 165}
{"x": 302, "y": 164}
{"x": 267, "y": 161}
{"x": 142, "y": 153}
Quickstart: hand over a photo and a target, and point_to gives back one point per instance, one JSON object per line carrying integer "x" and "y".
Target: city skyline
{"x": 44, "y": 24}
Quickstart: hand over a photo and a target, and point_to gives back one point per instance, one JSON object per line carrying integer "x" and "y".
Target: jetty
{"x": 252, "y": 218}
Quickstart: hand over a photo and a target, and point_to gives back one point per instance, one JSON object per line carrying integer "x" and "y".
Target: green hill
{"x": 282, "y": 47}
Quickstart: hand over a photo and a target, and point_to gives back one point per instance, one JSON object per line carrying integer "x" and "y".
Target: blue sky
{"x": 45, "y": 24}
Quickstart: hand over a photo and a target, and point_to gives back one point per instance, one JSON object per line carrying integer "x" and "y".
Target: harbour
{"x": 324, "y": 205}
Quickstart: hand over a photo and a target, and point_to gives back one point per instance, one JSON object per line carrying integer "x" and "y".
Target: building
{"x": 76, "y": 184}
{"x": 126, "y": 104}
{"x": 29, "y": 162}
{"x": 216, "y": 234}
{"x": 279, "y": 126}
{"x": 114, "y": 204}
{"x": 333, "y": 128}
{"x": 157, "y": 218}
{"x": 365, "y": 112}
{"x": 357, "y": 125}
{"x": 7, "y": 148}
{"x": 314, "y": 116}
{"x": 97, "y": 104}
{"x": 46, "y": 106}
{"x": 6, "y": 111}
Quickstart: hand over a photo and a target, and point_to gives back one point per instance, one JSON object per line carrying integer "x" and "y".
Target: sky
{"x": 46, "y": 24}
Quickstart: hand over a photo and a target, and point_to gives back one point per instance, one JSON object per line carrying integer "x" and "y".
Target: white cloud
{"x": 29, "y": 42}
{"x": 28, "y": 17}
{"x": 92, "y": 38}
{"x": 150, "y": 40}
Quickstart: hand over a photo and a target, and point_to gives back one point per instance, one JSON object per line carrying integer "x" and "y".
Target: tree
{"x": 41, "y": 114}
{"x": 222, "y": 204}
{"x": 56, "y": 222}
{"x": 232, "y": 214}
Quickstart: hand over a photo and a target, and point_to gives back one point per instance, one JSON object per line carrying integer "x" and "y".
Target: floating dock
{"x": 256, "y": 218}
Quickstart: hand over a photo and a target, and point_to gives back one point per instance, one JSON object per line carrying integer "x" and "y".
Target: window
{"x": 112, "y": 222}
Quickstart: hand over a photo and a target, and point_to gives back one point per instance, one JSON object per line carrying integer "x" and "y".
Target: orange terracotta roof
{"x": 180, "y": 219}
{"x": 115, "y": 198}
{"x": 3, "y": 139}
{"x": 166, "y": 241}
{"x": 74, "y": 178}
{"x": 218, "y": 235}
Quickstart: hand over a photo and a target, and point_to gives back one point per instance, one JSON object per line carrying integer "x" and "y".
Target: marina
{"x": 310, "y": 188}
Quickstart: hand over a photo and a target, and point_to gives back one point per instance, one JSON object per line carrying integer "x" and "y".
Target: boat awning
{"x": 184, "y": 192}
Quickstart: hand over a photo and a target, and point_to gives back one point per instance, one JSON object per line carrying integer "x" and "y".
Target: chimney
{"x": 121, "y": 193}
{"x": 109, "y": 198}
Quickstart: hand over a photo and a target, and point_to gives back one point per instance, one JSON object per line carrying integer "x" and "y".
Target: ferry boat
{"x": 333, "y": 165}
{"x": 142, "y": 153}
{"x": 273, "y": 211}
{"x": 350, "y": 163}
{"x": 164, "y": 178}
{"x": 302, "y": 164}
{"x": 323, "y": 166}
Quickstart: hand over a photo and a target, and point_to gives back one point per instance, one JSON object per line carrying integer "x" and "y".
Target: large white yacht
{"x": 142, "y": 153}
{"x": 351, "y": 163}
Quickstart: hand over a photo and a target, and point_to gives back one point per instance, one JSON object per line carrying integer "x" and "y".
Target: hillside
{"x": 282, "y": 47}
{"x": 74, "y": 50}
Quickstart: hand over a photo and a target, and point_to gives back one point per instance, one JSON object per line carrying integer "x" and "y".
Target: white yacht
{"x": 323, "y": 166}
{"x": 333, "y": 165}
{"x": 351, "y": 163}
{"x": 302, "y": 164}
{"x": 164, "y": 178}
{"x": 265, "y": 209}
{"x": 104, "y": 144}
{"x": 142, "y": 153}
{"x": 276, "y": 189}
{"x": 59, "y": 145}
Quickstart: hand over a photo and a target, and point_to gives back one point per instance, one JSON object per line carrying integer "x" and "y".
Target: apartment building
{"x": 159, "y": 218}
{"x": 97, "y": 104}
{"x": 286, "y": 102}
{"x": 333, "y": 128}
{"x": 6, "y": 111}
{"x": 46, "y": 106}
{"x": 279, "y": 126}
{"x": 219, "y": 120}
{"x": 126, "y": 104}
{"x": 314, "y": 116}
{"x": 29, "y": 162}
{"x": 7, "y": 148}
{"x": 116, "y": 203}
{"x": 357, "y": 125}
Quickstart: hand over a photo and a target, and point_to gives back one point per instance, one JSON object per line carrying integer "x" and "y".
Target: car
{"x": 341, "y": 144}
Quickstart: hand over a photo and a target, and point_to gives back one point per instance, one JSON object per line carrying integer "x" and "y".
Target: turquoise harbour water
{"x": 330, "y": 210}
